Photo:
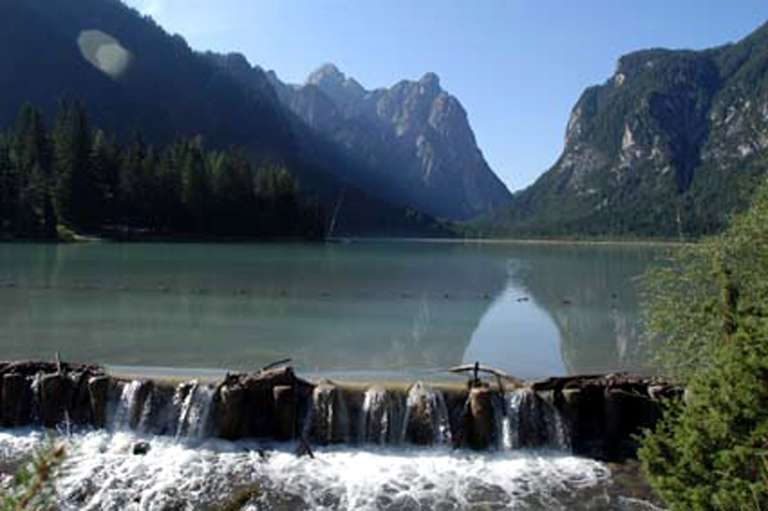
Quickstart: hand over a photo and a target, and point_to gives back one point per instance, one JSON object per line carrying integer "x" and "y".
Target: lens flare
{"x": 104, "y": 52}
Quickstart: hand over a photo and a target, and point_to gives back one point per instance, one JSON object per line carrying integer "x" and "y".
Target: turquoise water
{"x": 368, "y": 309}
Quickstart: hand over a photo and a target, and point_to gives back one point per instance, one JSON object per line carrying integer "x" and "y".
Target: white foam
{"x": 101, "y": 473}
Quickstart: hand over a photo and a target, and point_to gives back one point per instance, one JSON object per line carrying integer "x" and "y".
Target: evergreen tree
{"x": 233, "y": 187}
{"x": 104, "y": 165}
{"x": 128, "y": 189}
{"x": 75, "y": 192}
{"x": 8, "y": 189}
{"x": 709, "y": 305}
{"x": 85, "y": 180}
{"x": 196, "y": 187}
{"x": 31, "y": 151}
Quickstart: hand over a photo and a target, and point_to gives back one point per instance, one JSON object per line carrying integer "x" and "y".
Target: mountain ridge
{"x": 169, "y": 91}
{"x": 413, "y": 132}
{"x": 670, "y": 145}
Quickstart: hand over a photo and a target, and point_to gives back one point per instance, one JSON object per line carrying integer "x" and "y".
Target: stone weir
{"x": 595, "y": 416}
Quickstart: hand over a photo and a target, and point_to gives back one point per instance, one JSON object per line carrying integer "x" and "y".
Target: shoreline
{"x": 522, "y": 241}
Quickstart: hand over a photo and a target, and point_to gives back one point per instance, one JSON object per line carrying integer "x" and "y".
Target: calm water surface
{"x": 362, "y": 309}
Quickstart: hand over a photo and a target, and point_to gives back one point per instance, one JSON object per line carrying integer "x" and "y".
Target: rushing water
{"x": 100, "y": 472}
{"x": 159, "y": 452}
{"x": 359, "y": 310}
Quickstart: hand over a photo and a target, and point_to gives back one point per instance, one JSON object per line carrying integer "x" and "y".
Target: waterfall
{"x": 528, "y": 420}
{"x": 35, "y": 411}
{"x": 507, "y": 414}
{"x": 382, "y": 417}
{"x": 127, "y": 405}
{"x": 194, "y": 402}
{"x": 426, "y": 417}
{"x": 329, "y": 417}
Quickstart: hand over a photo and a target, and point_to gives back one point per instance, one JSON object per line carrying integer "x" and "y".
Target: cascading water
{"x": 507, "y": 414}
{"x": 194, "y": 403}
{"x": 382, "y": 417}
{"x": 141, "y": 407}
{"x": 426, "y": 417}
{"x": 524, "y": 419}
{"x": 328, "y": 419}
{"x": 125, "y": 407}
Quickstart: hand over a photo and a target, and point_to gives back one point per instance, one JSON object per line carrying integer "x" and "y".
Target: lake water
{"x": 359, "y": 310}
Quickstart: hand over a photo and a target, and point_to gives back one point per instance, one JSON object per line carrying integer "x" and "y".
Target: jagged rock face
{"x": 413, "y": 137}
{"x": 670, "y": 145}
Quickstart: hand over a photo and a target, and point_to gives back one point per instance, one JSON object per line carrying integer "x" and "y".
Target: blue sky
{"x": 517, "y": 66}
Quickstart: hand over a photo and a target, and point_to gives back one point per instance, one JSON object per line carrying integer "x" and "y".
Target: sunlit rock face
{"x": 413, "y": 137}
{"x": 104, "y": 52}
{"x": 669, "y": 145}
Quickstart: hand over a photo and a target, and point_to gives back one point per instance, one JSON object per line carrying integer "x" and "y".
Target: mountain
{"x": 135, "y": 78}
{"x": 670, "y": 145}
{"x": 412, "y": 141}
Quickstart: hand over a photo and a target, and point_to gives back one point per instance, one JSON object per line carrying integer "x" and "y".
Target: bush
{"x": 706, "y": 291}
{"x": 32, "y": 487}
{"x": 711, "y": 452}
{"x": 708, "y": 311}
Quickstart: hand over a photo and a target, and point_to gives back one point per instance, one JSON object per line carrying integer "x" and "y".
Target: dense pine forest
{"x": 73, "y": 178}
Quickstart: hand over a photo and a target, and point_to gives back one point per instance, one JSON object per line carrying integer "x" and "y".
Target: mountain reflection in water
{"x": 372, "y": 308}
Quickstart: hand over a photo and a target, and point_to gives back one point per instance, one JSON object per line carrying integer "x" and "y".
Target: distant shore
{"x": 525, "y": 241}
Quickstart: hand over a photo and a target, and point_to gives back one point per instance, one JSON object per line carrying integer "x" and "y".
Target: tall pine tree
{"x": 75, "y": 191}
{"x": 31, "y": 151}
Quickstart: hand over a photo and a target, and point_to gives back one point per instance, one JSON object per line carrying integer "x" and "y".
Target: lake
{"x": 357, "y": 310}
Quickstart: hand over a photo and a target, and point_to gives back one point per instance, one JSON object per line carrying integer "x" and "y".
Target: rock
{"x": 414, "y": 133}
{"x": 140, "y": 448}
{"x": 676, "y": 114}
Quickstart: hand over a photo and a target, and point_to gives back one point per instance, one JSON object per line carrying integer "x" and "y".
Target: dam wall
{"x": 596, "y": 416}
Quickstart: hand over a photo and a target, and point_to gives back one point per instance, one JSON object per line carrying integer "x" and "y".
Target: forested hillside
{"x": 73, "y": 178}
{"x": 136, "y": 78}
{"x": 670, "y": 146}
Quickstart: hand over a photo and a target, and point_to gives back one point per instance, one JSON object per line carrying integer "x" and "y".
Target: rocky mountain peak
{"x": 430, "y": 80}
{"x": 414, "y": 138}
{"x": 341, "y": 89}
{"x": 326, "y": 74}
{"x": 669, "y": 145}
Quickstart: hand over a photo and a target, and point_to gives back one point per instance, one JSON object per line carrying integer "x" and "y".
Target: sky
{"x": 517, "y": 66}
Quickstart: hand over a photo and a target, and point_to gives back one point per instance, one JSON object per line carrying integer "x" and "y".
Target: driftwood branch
{"x": 278, "y": 363}
{"x": 476, "y": 367}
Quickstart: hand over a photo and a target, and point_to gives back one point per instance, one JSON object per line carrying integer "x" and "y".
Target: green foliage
{"x": 711, "y": 452}
{"x": 687, "y": 300}
{"x": 75, "y": 190}
{"x": 83, "y": 181}
{"x": 709, "y": 307}
{"x": 32, "y": 488}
